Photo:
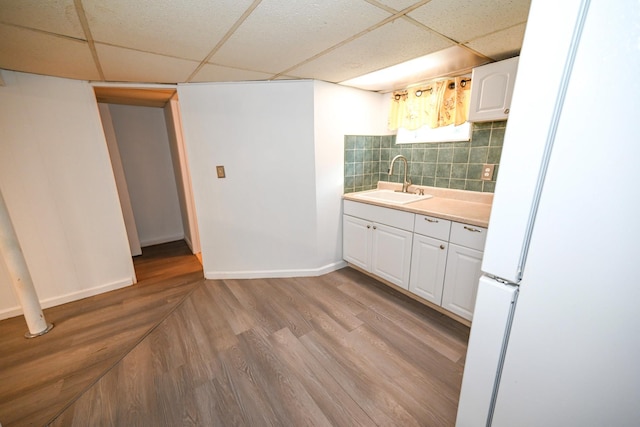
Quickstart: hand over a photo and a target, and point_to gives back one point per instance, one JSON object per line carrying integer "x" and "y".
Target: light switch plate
{"x": 487, "y": 172}
{"x": 220, "y": 171}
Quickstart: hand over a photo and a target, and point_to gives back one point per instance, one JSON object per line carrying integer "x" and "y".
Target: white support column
{"x": 21, "y": 278}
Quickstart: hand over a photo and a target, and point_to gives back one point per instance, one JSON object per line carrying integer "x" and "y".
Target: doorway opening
{"x": 143, "y": 130}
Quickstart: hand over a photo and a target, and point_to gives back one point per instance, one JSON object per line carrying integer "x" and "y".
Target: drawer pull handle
{"x": 375, "y": 228}
{"x": 441, "y": 246}
{"x": 431, "y": 220}
{"x": 474, "y": 230}
{"x": 368, "y": 226}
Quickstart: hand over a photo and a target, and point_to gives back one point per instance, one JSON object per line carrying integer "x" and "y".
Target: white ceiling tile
{"x": 40, "y": 53}
{"x": 182, "y": 29}
{"x": 217, "y": 73}
{"x": 455, "y": 60}
{"x": 502, "y": 44}
{"x": 388, "y": 45}
{"x": 282, "y": 33}
{"x": 398, "y": 5}
{"x": 54, "y": 16}
{"x": 165, "y": 40}
{"x": 465, "y": 20}
{"x": 126, "y": 65}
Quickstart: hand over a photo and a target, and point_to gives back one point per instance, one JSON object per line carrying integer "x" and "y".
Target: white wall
{"x": 182, "y": 174}
{"x": 8, "y": 302}
{"x": 339, "y": 111}
{"x": 276, "y": 214}
{"x": 58, "y": 184}
{"x": 259, "y": 221}
{"x": 143, "y": 142}
{"x": 121, "y": 181}
{"x": 278, "y": 211}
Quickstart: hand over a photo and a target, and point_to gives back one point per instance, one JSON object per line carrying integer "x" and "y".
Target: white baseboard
{"x": 273, "y": 274}
{"x": 161, "y": 240}
{"x": 72, "y": 296}
{"x": 10, "y": 312}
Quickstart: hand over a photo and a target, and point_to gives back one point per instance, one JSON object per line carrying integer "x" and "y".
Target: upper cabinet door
{"x": 491, "y": 90}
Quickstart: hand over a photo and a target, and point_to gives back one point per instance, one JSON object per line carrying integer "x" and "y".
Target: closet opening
{"x": 143, "y": 131}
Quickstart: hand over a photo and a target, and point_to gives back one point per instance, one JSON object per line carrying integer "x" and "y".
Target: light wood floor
{"x": 41, "y": 376}
{"x": 341, "y": 350}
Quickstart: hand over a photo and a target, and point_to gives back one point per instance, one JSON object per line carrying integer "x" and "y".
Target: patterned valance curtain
{"x": 435, "y": 104}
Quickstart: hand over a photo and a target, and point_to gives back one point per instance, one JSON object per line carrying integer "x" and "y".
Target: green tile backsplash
{"x": 446, "y": 164}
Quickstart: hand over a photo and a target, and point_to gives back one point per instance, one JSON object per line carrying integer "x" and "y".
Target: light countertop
{"x": 470, "y": 207}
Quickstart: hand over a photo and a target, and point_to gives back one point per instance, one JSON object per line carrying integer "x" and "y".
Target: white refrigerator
{"x": 555, "y": 337}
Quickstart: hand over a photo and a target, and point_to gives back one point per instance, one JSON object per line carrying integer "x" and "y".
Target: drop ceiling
{"x": 169, "y": 41}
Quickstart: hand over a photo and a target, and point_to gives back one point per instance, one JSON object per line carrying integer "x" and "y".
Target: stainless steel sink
{"x": 390, "y": 196}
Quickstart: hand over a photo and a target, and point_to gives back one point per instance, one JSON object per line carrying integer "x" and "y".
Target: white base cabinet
{"x": 429, "y": 258}
{"x": 356, "y": 241}
{"x": 428, "y": 262}
{"x": 378, "y": 240}
{"x": 445, "y": 264}
{"x": 461, "y": 280}
{"x": 391, "y": 254}
{"x": 435, "y": 259}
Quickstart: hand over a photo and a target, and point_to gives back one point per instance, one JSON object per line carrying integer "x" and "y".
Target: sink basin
{"x": 390, "y": 196}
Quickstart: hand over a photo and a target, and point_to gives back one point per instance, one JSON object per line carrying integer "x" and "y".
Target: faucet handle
{"x": 406, "y": 183}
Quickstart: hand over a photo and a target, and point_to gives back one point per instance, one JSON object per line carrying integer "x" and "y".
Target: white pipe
{"x": 20, "y": 277}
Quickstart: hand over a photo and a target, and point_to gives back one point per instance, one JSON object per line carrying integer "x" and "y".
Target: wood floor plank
{"x": 328, "y": 299}
{"x": 231, "y": 306}
{"x": 208, "y": 309}
{"x": 175, "y": 398}
{"x": 240, "y": 379}
{"x": 201, "y": 365}
{"x": 418, "y": 350}
{"x": 446, "y": 335}
{"x": 286, "y": 306}
{"x": 337, "y": 350}
{"x": 383, "y": 408}
{"x": 260, "y": 313}
{"x": 292, "y": 403}
{"x": 216, "y": 405}
{"x": 334, "y": 401}
{"x": 39, "y": 378}
{"x": 350, "y": 362}
{"x": 136, "y": 399}
{"x": 426, "y": 398}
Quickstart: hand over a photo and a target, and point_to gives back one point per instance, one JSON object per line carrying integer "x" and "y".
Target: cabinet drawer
{"x": 437, "y": 228}
{"x": 470, "y": 236}
{"x": 392, "y": 217}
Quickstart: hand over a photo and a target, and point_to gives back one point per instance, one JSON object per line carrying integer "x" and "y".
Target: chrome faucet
{"x": 405, "y": 182}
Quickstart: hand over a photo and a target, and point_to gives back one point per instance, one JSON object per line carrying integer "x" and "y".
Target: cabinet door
{"x": 356, "y": 241}
{"x": 461, "y": 280}
{"x": 491, "y": 90}
{"x": 391, "y": 254}
{"x": 428, "y": 262}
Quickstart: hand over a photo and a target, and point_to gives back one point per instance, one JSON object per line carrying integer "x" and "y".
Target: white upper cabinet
{"x": 491, "y": 90}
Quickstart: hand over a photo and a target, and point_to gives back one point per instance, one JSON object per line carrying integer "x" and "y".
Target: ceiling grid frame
{"x": 498, "y": 29}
